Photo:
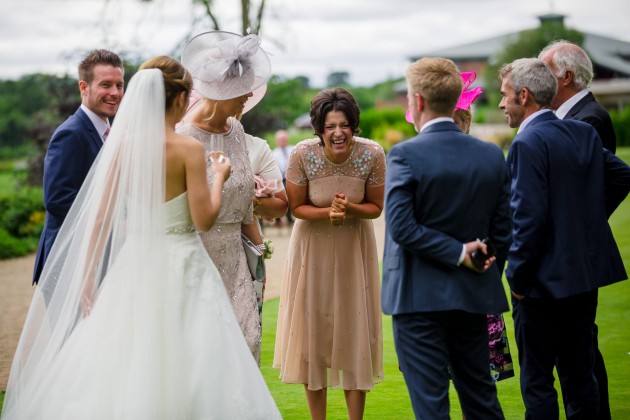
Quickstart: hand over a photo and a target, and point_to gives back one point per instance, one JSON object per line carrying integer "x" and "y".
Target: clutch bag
{"x": 255, "y": 259}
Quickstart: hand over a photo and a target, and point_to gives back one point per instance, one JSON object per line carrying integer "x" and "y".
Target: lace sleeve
{"x": 295, "y": 168}
{"x": 376, "y": 178}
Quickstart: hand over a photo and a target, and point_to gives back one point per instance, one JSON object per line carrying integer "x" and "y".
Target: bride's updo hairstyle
{"x": 336, "y": 99}
{"x": 176, "y": 78}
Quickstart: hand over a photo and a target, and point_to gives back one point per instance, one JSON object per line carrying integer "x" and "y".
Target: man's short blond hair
{"x": 438, "y": 81}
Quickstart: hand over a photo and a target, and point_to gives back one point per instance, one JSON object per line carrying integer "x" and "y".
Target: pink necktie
{"x": 105, "y": 134}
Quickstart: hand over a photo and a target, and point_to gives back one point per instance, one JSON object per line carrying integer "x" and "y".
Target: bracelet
{"x": 257, "y": 202}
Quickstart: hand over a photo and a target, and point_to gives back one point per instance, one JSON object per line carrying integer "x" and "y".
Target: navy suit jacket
{"x": 71, "y": 151}
{"x": 562, "y": 243}
{"x": 590, "y": 111}
{"x": 443, "y": 188}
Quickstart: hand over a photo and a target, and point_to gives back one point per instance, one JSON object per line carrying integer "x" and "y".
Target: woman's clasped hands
{"x": 338, "y": 209}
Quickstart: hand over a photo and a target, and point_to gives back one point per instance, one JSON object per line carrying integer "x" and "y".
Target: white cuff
{"x": 462, "y": 255}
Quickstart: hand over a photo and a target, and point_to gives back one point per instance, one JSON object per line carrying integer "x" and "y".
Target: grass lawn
{"x": 390, "y": 399}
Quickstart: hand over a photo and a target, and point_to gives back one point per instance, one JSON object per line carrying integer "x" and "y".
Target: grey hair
{"x": 534, "y": 75}
{"x": 567, "y": 56}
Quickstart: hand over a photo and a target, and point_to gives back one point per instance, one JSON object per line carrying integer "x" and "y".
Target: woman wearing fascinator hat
{"x": 270, "y": 197}
{"x": 131, "y": 320}
{"x": 226, "y": 68}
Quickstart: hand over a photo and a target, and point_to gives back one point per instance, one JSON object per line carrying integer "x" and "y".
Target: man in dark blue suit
{"x": 444, "y": 189}
{"x": 563, "y": 249}
{"x": 574, "y": 71}
{"x": 76, "y": 142}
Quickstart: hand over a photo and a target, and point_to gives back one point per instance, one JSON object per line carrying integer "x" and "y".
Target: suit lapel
{"x": 92, "y": 135}
{"x": 579, "y": 105}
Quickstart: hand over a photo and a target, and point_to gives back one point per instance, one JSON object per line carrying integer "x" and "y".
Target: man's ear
{"x": 523, "y": 96}
{"x": 419, "y": 102}
{"x": 568, "y": 78}
{"x": 83, "y": 85}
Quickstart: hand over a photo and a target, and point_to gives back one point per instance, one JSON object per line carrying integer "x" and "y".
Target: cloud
{"x": 371, "y": 39}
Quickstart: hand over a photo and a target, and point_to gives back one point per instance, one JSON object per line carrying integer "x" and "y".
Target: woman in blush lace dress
{"x": 226, "y": 68}
{"x": 329, "y": 320}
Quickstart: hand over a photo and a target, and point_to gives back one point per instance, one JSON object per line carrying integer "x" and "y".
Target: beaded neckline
{"x": 226, "y": 134}
{"x": 345, "y": 162}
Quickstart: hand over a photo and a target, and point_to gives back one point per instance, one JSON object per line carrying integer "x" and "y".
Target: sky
{"x": 372, "y": 40}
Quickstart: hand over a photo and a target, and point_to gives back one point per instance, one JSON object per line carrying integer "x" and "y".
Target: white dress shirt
{"x": 100, "y": 125}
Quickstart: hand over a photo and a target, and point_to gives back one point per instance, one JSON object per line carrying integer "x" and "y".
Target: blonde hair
{"x": 438, "y": 81}
{"x": 463, "y": 118}
{"x": 176, "y": 78}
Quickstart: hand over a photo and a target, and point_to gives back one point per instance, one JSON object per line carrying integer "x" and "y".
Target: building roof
{"x": 610, "y": 53}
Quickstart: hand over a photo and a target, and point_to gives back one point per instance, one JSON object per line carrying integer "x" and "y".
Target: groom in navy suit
{"x": 444, "y": 189}
{"x": 564, "y": 186}
{"x": 76, "y": 142}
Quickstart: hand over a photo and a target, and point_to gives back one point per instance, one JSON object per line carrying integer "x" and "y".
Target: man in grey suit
{"x": 76, "y": 142}
{"x": 574, "y": 71}
{"x": 444, "y": 189}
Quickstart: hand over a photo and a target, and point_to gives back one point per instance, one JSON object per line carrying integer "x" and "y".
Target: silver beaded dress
{"x": 223, "y": 242}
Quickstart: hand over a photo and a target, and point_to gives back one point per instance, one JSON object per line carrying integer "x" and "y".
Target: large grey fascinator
{"x": 225, "y": 65}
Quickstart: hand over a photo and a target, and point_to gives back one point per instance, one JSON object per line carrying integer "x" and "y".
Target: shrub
{"x": 21, "y": 221}
{"x": 11, "y": 246}
{"x": 621, "y": 122}
{"x": 386, "y": 126}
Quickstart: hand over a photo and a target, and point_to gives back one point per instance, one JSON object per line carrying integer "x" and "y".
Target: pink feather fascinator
{"x": 467, "y": 97}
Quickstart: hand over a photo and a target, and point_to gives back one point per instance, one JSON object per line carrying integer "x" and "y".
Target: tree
{"x": 528, "y": 44}
{"x": 251, "y": 14}
{"x": 285, "y": 100}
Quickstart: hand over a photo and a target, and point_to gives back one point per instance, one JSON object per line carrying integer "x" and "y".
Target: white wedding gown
{"x": 170, "y": 351}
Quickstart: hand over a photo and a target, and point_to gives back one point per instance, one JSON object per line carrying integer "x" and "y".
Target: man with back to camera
{"x": 574, "y": 71}
{"x": 77, "y": 141}
{"x": 564, "y": 187}
{"x": 443, "y": 190}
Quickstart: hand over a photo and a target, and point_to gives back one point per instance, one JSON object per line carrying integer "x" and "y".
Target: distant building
{"x": 610, "y": 57}
{"x": 338, "y": 78}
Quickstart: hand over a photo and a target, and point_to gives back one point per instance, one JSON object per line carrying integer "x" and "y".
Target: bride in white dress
{"x": 131, "y": 319}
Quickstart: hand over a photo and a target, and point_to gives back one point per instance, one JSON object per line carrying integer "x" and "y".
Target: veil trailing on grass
{"x": 119, "y": 207}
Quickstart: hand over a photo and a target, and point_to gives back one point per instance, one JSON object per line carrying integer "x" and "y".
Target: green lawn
{"x": 390, "y": 400}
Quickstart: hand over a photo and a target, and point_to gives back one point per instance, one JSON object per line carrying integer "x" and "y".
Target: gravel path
{"x": 16, "y": 291}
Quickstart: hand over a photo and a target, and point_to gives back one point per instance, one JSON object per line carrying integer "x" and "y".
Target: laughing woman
{"x": 329, "y": 321}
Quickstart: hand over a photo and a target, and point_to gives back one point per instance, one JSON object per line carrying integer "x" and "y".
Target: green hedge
{"x": 22, "y": 217}
{"x": 387, "y": 126}
{"x": 621, "y": 121}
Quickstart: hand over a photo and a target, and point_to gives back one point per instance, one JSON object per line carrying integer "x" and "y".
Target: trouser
{"x": 557, "y": 331}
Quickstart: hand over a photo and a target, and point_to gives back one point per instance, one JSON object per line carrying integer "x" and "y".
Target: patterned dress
{"x": 329, "y": 320}
{"x": 223, "y": 241}
{"x": 500, "y": 358}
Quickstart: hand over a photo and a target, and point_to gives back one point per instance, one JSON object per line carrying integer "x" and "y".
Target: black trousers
{"x": 426, "y": 343}
{"x": 557, "y": 332}
{"x": 602, "y": 380}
